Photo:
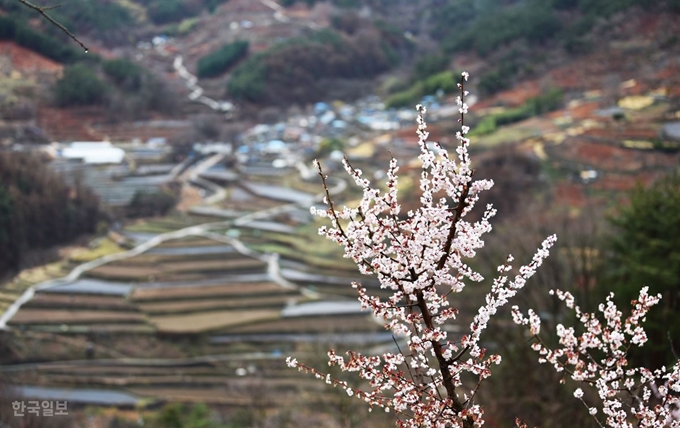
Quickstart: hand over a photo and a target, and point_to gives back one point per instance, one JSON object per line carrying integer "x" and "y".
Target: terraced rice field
{"x": 175, "y": 298}
{"x": 185, "y": 306}
{"x": 76, "y": 316}
{"x": 211, "y": 320}
{"x": 79, "y": 301}
{"x": 123, "y": 271}
{"x": 234, "y": 290}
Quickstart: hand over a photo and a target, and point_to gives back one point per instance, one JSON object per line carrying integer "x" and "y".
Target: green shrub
{"x": 604, "y": 7}
{"x": 541, "y": 104}
{"x": 211, "y": 5}
{"x": 87, "y": 15}
{"x": 405, "y": 98}
{"x": 565, "y": 4}
{"x": 124, "y": 73}
{"x": 177, "y": 415}
{"x": 291, "y": 71}
{"x": 165, "y": 11}
{"x": 494, "y": 81}
{"x": 219, "y": 61}
{"x": 247, "y": 82}
{"x": 187, "y": 25}
{"x": 145, "y": 204}
{"x": 455, "y": 14}
{"x": 485, "y": 126}
{"x": 429, "y": 65}
{"x": 445, "y": 81}
{"x": 79, "y": 86}
{"x": 495, "y": 25}
{"x": 329, "y": 145}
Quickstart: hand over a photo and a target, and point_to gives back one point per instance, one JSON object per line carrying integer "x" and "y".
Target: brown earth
{"x": 26, "y": 62}
{"x": 608, "y": 157}
{"x": 570, "y": 194}
{"x": 79, "y": 300}
{"x": 66, "y": 125}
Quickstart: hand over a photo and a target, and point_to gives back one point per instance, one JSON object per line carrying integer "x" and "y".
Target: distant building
{"x": 91, "y": 152}
{"x": 671, "y": 131}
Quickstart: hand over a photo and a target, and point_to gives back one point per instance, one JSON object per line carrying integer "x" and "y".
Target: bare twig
{"x": 43, "y": 9}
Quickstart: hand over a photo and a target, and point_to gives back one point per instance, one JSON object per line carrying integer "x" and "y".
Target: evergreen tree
{"x": 645, "y": 251}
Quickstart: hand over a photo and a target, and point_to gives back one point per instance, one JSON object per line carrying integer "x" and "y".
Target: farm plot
{"x": 79, "y": 301}
{"x": 122, "y": 371}
{"x": 232, "y": 290}
{"x": 164, "y": 224}
{"x": 75, "y": 312}
{"x": 214, "y": 395}
{"x": 611, "y": 157}
{"x": 238, "y": 198}
{"x": 128, "y": 271}
{"x": 140, "y": 380}
{"x": 153, "y": 259}
{"x": 213, "y": 303}
{"x": 189, "y": 241}
{"x": 29, "y": 316}
{"x": 211, "y": 320}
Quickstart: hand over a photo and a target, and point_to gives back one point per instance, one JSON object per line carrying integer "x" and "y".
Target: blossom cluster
{"x": 598, "y": 359}
{"x": 422, "y": 257}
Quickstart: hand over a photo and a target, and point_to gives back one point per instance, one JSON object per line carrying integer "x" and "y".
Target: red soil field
{"x": 28, "y": 62}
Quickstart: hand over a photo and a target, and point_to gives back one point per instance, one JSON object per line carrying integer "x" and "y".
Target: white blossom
{"x": 422, "y": 259}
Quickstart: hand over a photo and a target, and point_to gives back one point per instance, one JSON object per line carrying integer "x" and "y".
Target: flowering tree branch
{"x": 422, "y": 258}
{"x": 598, "y": 359}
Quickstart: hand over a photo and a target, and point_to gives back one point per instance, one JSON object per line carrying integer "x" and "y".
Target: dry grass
{"x": 212, "y": 320}
{"x": 36, "y": 275}
{"x": 103, "y": 248}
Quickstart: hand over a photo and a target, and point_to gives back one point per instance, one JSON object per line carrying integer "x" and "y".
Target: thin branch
{"x": 42, "y": 10}
{"x": 408, "y": 367}
{"x": 460, "y": 207}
